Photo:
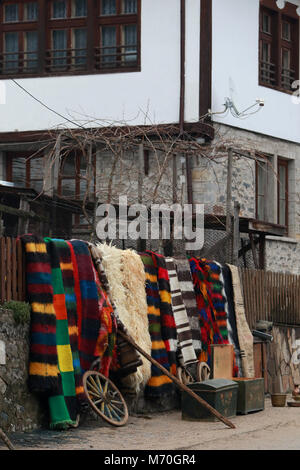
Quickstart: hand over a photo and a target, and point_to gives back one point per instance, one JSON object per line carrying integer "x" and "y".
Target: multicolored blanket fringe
{"x": 168, "y": 326}
{"x": 189, "y": 300}
{"x": 210, "y": 333}
{"x": 186, "y": 353}
{"x": 44, "y": 376}
{"x": 159, "y": 384}
{"x": 63, "y": 407}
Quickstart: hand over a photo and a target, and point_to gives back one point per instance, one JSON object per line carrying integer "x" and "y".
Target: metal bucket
{"x": 278, "y": 399}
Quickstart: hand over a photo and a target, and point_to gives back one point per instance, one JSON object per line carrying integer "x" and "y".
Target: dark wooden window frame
{"x": 285, "y": 164}
{"x": 277, "y": 44}
{"x": 28, "y": 156}
{"x": 280, "y": 162}
{"x": 93, "y": 22}
{"x": 76, "y": 177}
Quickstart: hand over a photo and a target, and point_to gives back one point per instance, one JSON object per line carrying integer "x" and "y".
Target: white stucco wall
{"x": 235, "y": 72}
{"x": 149, "y": 96}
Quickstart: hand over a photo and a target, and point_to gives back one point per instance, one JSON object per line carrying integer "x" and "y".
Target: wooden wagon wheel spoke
{"x": 99, "y": 383}
{"x": 92, "y": 387}
{"x": 97, "y": 395}
{"x": 117, "y": 409}
{"x": 105, "y": 398}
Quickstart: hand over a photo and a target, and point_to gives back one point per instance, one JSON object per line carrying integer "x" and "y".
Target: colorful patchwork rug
{"x": 159, "y": 384}
{"x": 44, "y": 376}
{"x": 89, "y": 316}
{"x": 63, "y": 407}
{"x": 210, "y": 333}
{"x": 213, "y": 273}
{"x": 186, "y": 352}
{"x": 67, "y": 270}
{"x": 189, "y": 300}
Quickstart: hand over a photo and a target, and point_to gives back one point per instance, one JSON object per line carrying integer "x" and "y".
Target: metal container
{"x": 251, "y": 395}
{"x": 221, "y": 394}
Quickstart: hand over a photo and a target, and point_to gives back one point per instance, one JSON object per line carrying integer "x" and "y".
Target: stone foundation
{"x": 20, "y": 410}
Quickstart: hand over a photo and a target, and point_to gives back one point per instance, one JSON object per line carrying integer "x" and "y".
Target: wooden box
{"x": 221, "y": 394}
{"x": 251, "y": 395}
{"x": 221, "y": 361}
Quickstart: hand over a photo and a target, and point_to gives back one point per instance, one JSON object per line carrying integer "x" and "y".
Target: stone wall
{"x": 20, "y": 410}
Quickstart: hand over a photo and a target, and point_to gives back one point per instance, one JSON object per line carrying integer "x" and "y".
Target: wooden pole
{"x": 236, "y": 234}
{"x": 229, "y": 191}
{"x": 177, "y": 382}
{"x": 5, "y": 439}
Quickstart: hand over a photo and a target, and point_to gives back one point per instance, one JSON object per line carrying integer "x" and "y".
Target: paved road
{"x": 271, "y": 429}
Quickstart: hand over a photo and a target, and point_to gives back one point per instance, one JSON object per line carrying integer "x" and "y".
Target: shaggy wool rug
{"x": 126, "y": 277}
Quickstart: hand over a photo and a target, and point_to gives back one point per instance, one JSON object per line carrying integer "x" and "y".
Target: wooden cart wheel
{"x": 203, "y": 371}
{"x": 105, "y": 398}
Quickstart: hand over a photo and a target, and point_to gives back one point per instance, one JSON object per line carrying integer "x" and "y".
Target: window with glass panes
{"x": 25, "y": 169}
{"x": 73, "y": 179}
{"x": 283, "y": 189}
{"x": 52, "y": 37}
{"x": 278, "y": 45}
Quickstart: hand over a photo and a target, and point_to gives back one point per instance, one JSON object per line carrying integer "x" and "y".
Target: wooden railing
{"x": 12, "y": 270}
{"x": 271, "y": 296}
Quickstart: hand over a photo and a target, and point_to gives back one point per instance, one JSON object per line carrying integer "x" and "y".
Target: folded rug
{"x": 159, "y": 384}
{"x": 231, "y": 322}
{"x": 44, "y": 376}
{"x": 168, "y": 326}
{"x": 189, "y": 300}
{"x": 186, "y": 352}
{"x": 210, "y": 333}
{"x": 244, "y": 333}
{"x": 64, "y": 406}
{"x": 88, "y": 309}
{"x": 126, "y": 278}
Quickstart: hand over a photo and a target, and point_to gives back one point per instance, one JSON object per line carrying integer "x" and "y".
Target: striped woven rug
{"x": 186, "y": 352}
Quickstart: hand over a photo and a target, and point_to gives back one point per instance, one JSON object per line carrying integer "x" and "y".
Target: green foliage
{"x": 21, "y": 311}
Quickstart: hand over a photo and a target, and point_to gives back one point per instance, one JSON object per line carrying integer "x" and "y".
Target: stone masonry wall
{"x": 20, "y": 410}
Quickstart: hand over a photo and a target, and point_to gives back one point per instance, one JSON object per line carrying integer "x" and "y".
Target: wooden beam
{"x": 205, "y": 57}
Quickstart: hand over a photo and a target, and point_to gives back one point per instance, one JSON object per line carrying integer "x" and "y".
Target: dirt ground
{"x": 270, "y": 429}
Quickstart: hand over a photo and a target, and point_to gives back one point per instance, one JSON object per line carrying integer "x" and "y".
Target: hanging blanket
{"x": 210, "y": 333}
{"x": 186, "y": 352}
{"x": 212, "y": 273}
{"x": 128, "y": 358}
{"x": 168, "y": 326}
{"x": 159, "y": 384}
{"x": 44, "y": 376}
{"x": 88, "y": 309}
{"x": 189, "y": 299}
{"x": 64, "y": 406}
{"x": 243, "y": 330}
{"x": 231, "y": 322}
{"x": 67, "y": 270}
{"x": 126, "y": 278}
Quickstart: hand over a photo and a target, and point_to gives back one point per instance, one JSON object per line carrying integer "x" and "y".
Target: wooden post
{"x": 229, "y": 191}
{"x": 236, "y": 234}
{"x": 141, "y": 171}
{"x": 177, "y": 382}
